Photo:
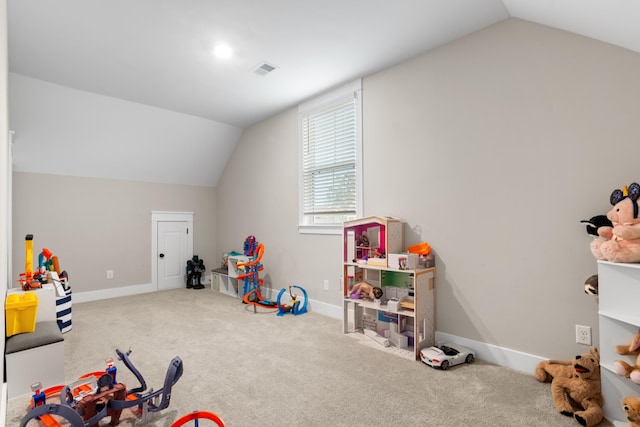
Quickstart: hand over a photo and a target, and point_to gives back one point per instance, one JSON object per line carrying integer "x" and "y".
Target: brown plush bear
{"x": 623, "y": 244}
{"x": 623, "y": 368}
{"x": 631, "y": 408}
{"x": 575, "y": 386}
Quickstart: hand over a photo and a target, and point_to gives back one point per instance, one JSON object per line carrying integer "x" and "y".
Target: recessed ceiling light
{"x": 223, "y": 51}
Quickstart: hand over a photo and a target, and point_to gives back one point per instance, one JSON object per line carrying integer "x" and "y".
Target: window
{"x": 330, "y": 160}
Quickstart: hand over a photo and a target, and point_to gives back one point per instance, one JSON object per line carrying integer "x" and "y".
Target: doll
{"x": 365, "y": 290}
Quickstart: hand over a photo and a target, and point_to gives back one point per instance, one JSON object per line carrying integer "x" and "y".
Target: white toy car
{"x": 446, "y": 355}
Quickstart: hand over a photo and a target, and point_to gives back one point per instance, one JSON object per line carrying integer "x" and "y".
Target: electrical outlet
{"x": 326, "y": 285}
{"x": 583, "y": 334}
{"x": 109, "y": 274}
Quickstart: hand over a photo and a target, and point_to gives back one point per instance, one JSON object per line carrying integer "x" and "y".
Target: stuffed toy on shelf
{"x": 631, "y": 408}
{"x": 622, "y": 244}
{"x": 625, "y": 369}
{"x": 576, "y": 381}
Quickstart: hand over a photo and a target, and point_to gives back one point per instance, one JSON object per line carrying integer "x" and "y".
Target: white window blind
{"x": 330, "y": 147}
{"x": 329, "y": 169}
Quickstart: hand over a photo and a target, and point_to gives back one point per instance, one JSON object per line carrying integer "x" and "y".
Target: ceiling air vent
{"x": 263, "y": 68}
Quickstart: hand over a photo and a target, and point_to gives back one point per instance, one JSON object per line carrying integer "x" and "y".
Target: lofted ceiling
{"x": 158, "y": 52}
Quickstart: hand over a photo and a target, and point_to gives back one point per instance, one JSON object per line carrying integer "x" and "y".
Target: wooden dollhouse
{"x": 369, "y": 240}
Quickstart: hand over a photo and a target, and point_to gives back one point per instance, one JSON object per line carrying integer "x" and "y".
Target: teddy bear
{"x": 623, "y": 368}
{"x": 631, "y": 408}
{"x": 575, "y": 386}
{"x": 622, "y": 244}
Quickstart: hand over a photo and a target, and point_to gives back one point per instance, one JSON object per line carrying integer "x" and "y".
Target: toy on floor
{"x": 365, "y": 290}
{"x": 250, "y": 275}
{"x": 97, "y": 395}
{"x": 625, "y": 369}
{"x": 447, "y": 355}
{"x": 624, "y": 243}
{"x": 295, "y": 307}
{"x": 195, "y": 267}
{"x": 576, "y": 381}
{"x": 631, "y": 408}
{"x": 198, "y": 415}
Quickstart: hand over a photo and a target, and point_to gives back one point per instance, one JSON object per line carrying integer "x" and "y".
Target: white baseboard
{"x": 506, "y": 357}
{"x": 112, "y": 293}
{"x": 329, "y": 310}
{"x": 502, "y": 356}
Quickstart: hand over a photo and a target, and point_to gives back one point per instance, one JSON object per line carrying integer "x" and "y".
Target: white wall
{"x": 65, "y": 131}
{"x": 5, "y": 167}
{"x": 492, "y": 149}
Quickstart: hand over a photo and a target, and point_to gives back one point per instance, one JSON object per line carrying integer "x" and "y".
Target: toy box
{"x": 20, "y": 313}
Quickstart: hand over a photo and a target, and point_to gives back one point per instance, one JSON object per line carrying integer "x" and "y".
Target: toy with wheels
{"x": 97, "y": 395}
{"x": 195, "y": 416}
{"x": 296, "y": 306}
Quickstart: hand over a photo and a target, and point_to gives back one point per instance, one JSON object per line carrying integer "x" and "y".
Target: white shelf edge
{"x": 370, "y": 304}
{"x": 631, "y": 320}
{"x": 620, "y": 264}
{"x": 379, "y": 267}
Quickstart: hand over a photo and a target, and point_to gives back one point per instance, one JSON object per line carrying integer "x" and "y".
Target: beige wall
{"x": 258, "y": 195}
{"x": 94, "y": 225}
{"x": 492, "y": 149}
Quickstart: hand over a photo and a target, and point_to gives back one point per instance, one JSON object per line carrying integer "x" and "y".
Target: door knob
{"x": 161, "y": 255}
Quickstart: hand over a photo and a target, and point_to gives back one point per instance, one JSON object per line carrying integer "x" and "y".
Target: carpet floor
{"x": 261, "y": 369}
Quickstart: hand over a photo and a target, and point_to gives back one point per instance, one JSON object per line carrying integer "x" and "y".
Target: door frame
{"x": 160, "y": 216}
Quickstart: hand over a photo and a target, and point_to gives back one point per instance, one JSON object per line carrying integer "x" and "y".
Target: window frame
{"x": 317, "y": 104}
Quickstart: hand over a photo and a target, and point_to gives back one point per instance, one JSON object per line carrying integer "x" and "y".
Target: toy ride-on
{"x": 94, "y": 396}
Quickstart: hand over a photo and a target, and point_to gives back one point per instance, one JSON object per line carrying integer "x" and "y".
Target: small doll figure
{"x": 365, "y": 290}
{"x": 363, "y": 240}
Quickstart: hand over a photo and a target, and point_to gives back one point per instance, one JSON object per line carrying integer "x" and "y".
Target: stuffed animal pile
{"x": 620, "y": 243}
{"x": 575, "y": 386}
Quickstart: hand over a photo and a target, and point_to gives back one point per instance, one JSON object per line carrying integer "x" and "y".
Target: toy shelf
{"x": 395, "y": 329}
{"x": 225, "y": 281}
{"x": 619, "y": 321}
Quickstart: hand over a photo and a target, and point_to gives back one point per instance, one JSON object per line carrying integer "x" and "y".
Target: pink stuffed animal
{"x": 622, "y": 244}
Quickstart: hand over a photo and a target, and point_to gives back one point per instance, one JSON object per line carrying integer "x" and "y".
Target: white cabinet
{"x": 619, "y": 318}
{"x": 394, "y": 322}
{"x": 227, "y": 282}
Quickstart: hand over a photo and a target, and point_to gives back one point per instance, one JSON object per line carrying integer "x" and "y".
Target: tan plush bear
{"x": 625, "y": 369}
{"x": 575, "y": 386}
{"x": 631, "y": 408}
{"x": 623, "y": 244}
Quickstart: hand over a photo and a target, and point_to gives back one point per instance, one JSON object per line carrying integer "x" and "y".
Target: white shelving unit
{"x": 407, "y": 329}
{"x": 619, "y": 318}
{"x": 418, "y": 325}
{"x": 227, "y": 283}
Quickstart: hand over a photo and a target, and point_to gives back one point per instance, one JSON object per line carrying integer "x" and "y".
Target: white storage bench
{"x": 34, "y": 357}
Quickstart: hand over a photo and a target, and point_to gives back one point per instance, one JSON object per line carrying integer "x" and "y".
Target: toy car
{"x": 446, "y": 355}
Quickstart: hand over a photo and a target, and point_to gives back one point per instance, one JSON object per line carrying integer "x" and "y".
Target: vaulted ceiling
{"x": 159, "y": 52}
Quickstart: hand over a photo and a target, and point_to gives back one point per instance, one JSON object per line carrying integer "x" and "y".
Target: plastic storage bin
{"x": 20, "y": 313}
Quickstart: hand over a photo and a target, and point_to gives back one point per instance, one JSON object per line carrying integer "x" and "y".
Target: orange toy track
{"x": 49, "y": 420}
{"x": 256, "y": 262}
{"x": 197, "y": 415}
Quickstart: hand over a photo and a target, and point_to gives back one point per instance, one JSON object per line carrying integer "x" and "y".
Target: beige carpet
{"x": 264, "y": 370}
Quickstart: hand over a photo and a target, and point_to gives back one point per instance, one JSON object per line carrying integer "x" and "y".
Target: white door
{"x": 173, "y": 253}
